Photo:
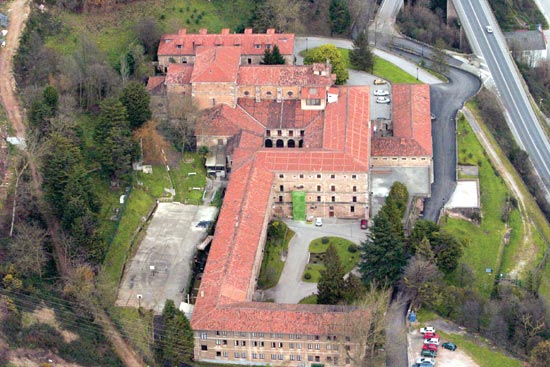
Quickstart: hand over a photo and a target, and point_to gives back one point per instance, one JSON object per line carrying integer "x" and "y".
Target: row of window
{"x": 402, "y": 158}
{"x": 204, "y": 335}
{"x": 332, "y": 176}
{"x": 319, "y": 188}
{"x": 280, "y": 132}
{"x": 261, "y": 344}
{"x": 281, "y": 357}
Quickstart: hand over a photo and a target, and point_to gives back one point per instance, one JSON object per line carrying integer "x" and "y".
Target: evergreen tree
{"x": 175, "y": 346}
{"x": 383, "y": 253}
{"x": 424, "y": 251}
{"x": 113, "y": 139}
{"x": 276, "y": 57}
{"x": 268, "y": 58}
{"x": 330, "y": 289}
{"x": 50, "y": 97}
{"x": 136, "y": 99}
{"x": 340, "y": 18}
{"x": 447, "y": 250}
{"x": 353, "y": 289}
{"x": 399, "y": 195}
{"x": 361, "y": 56}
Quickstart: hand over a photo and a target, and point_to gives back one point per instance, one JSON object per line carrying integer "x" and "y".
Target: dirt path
{"x": 528, "y": 246}
{"x": 18, "y": 13}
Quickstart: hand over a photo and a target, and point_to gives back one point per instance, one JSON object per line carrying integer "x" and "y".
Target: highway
{"x": 475, "y": 15}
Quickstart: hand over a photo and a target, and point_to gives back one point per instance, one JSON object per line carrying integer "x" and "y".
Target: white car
{"x": 381, "y": 92}
{"x": 434, "y": 341}
{"x": 489, "y": 29}
{"x": 383, "y": 100}
{"x": 425, "y": 360}
{"x": 427, "y": 329}
{"x": 319, "y": 222}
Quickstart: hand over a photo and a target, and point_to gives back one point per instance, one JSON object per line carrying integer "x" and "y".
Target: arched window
{"x": 268, "y": 143}
{"x": 291, "y": 144}
{"x": 300, "y": 143}
{"x": 280, "y": 143}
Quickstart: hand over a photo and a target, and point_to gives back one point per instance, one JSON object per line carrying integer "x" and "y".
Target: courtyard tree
{"x": 334, "y": 56}
{"x": 361, "y": 56}
{"x": 331, "y": 286}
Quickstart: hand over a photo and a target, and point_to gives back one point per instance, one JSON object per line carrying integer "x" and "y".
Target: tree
{"x": 420, "y": 282}
{"x": 113, "y": 139}
{"x": 283, "y": 15}
{"x": 148, "y": 33}
{"x": 180, "y": 127}
{"x": 26, "y": 251}
{"x": 447, "y": 250}
{"x": 383, "y": 253}
{"x": 340, "y": 18}
{"x": 276, "y": 56}
{"x": 354, "y": 289}
{"x": 330, "y": 289}
{"x": 136, "y": 99}
{"x": 540, "y": 355}
{"x": 361, "y": 56}
{"x": 175, "y": 346}
{"x": 329, "y": 52}
{"x": 422, "y": 229}
{"x": 399, "y": 195}
{"x": 267, "y": 59}
{"x": 439, "y": 58}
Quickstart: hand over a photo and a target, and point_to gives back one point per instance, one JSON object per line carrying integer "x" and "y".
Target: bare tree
{"x": 180, "y": 127}
{"x": 26, "y": 251}
{"x": 420, "y": 281}
{"x": 283, "y": 15}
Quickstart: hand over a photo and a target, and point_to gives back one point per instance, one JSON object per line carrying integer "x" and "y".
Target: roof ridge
{"x": 252, "y": 117}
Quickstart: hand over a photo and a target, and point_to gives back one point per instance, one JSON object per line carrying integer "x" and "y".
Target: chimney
{"x": 248, "y": 31}
{"x": 225, "y": 31}
{"x": 182, "y": 32}
{"x": 203, "y": 31}
{"x": 402, "y": 141}
{"x": 271, "y": 31}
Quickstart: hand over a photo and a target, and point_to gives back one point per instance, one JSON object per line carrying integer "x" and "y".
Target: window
{"x": 243, "y": 355}
{"x": 218, "y": 354}
{"x": 348, "y": 338}
{"x": 218, "y": 342}
{"x": 332, "y": 188}
{"x": 268, "y": 93}
{"x": 348, "y": 348}
{"x": 257, "y": 46}
{"x": 281, "y": 357}
{"x": 319, "y": 176}
{"x": 291, "y": 336}
{"x": 254, "y": 355}
{"x": 298, "y": 345}
{"x": 249, "y": 61}
{"x": 329, "y": 346}
{"x": 298, "y": 336}
{"x": 318, "y": 187}
{"x": 291, "y": 345}
{"x": 262, "y": 343}
{"x": 354, "y": 177}
{"x": 354, "y": 188}
{"x": 332, "y": 176}
{"x": 237, "y": 354}
{"x": 317, "y": 346}
{"x": 280, "y": 199}
{"x": 301, "y": 175}
{"x": 335, "y": 347}
{"x": 352, "y": 209}
{"x": 243, "y": 335}
{"x": 310, "y": 358}
{"x": 309, "y": 346}
{"x": 178, "y": 46}
{"x": 261, "y": 335}
{"x": 298, "y": 358}
{"x": 246, "y": 93}
{"x": 354, "y": 199}
{"x": 204, "y": 336}
{"x": 254, "y": 343}
{"x": 280, "y": 176}
{"x": 313, "y": 101}
{"x": 279, "y": 132}
{"x": 312, "y": 90}
{"x": 262, "y": 356}
{"x": 302, "y": 132}
{"x": 281, "y": 188}
{"x": 318, "y": 199}
{"x": 204, "y": 347}
{"x": 225, "y": 354}
{"x": 333, "y": 198}
{"x": 218, "y": 333}
{"x": 280, "y": 344}
{"x": 224, "y": 342}
{"x": 317, "y": 359}
{"x": 316, "y": 337}
{"x": 292, "y": 357}
{"x": 289, "y": 93}
{"x": 291, "y": 133}
{"x": 273, "y": 356}
{"x": 268, "y": 46}
{"x": 236, "y": 343}
{"x": 273, "y": 344}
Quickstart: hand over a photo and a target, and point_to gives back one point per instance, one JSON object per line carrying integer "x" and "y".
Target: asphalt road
{"x": 475, "y": 15}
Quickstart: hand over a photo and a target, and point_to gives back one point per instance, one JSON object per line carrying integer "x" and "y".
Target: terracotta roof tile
{"x": 216, "y": 64}
{"x": 284, "y": 115}
{"x": 179, "y": 73}
{"x": 397, "y": 147}
{"x": 188, "y": 42}
{"x": 154, "y": 83}
{"x": 282, "y": 75}
{"x": 226, "y": 121}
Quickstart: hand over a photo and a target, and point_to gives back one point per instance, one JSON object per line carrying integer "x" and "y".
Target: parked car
{"x": 427, "y": 329}
{"x": 449, "y": 346}
{"x": 432, "y": 341}
{"x": 364, "y": 224}
{"x": 379, "y": 81}
{"x": 319, "y": 222}
{"x": 425, "y": 364}
{"x": 429, "y": 347}
{"x": 489, "y": 29}
{"x": 428, "y": 353}
{"x": 432, "y": 116}
{"x": 431, "y": 335}
{"x": 425, "y": 360}
{"x": 383, "y": 100}
{"x": 381, "y": 92}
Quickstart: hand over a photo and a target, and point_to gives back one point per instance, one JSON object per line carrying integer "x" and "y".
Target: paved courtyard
{"x": 291, "y": 288}
{"x": 162, "y": 265}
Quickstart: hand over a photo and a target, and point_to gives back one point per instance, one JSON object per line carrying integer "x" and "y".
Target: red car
{"x": 431, "y": 336}
{"x": 431, "y": 347}
{"x": 364, "y": 224}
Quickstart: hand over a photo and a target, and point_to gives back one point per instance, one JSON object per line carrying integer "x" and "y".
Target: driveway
{"x": 291, "y": 288}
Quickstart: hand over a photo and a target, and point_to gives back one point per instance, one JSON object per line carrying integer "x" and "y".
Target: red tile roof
{"x": 216, "y": 65}
{"x": 155, "y": 82}
{"x": 313, "y": 92}
{"x": 283, "y": 75}
{"x": 283, "y": 115}
{"x": 397, "y": 147}
{"x": 247, "y": 42}
{"x": 179, "y": 74}
{"x": 223, "y": 120}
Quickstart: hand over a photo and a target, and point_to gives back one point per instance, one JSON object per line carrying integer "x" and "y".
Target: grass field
{"x": 384, "y": 69}
{"x": 348, "y": 259}
{"x": 184, "y": 183}
{"x": 272, "y": 263}
{"x": 309, "y": 300}
{"x": 113, "y": 31}
{"x": 484, "y": 247}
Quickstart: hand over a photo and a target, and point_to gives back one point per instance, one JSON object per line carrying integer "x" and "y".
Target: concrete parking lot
{"x": 445, "y": 358}
{"x": 162, "y": 265}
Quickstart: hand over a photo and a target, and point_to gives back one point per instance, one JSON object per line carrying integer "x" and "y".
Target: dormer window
{"x": 246, "y": 93}
{"x": 179, "y": 47}
{"x": 258, "y": 46}
{"x": 268, "y": 93}
{"x": 312, "y": 90}
{"x": 290, "y": 94}
{"x": 268, "y": 46}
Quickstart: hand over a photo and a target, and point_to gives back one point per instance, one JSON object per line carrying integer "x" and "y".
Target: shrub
{"x": 352, "y": 248}
{"x": 325, "y": 240}
{"x": 307, "y": 276}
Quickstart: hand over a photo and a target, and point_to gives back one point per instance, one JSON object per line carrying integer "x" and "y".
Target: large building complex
{"x": 295, "y": 146}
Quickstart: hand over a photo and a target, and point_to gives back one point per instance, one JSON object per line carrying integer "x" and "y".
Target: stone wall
{"x": 208, "y": 95}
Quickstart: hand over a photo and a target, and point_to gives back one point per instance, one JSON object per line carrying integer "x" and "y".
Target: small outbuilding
{"x": 529, "y": 47}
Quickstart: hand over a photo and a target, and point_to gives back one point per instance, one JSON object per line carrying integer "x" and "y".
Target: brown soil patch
{"x": 156, "y": 150}
{"x": 46, "y": 316}
{"x": 37, "y": 358}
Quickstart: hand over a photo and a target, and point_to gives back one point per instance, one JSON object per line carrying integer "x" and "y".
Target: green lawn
{"x": 272, "y": 263}
{"x": 184, "y": 183}
{"x": 348, "y": 259}
{"x": 484, "y": 247}
{"x": 155, "y": 183}
{"x": 309, "y": 300}
{"x": 113, "y": 31}
{"x": 384, "y": 69}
